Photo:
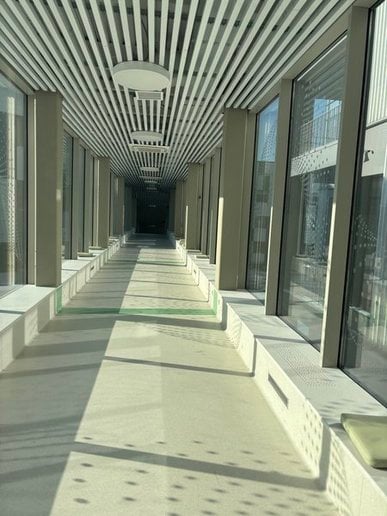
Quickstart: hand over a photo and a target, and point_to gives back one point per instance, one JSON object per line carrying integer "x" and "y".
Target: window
{"x": 364, "y": 342}
{"x": 261, "y": 201}
{"x": 13, "y": 187}
{"x": 315, "y": 126}
{"x": 67, "y": 195}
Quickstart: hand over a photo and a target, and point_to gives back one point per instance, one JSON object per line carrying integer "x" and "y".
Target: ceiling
{"x": 218, "y": 52}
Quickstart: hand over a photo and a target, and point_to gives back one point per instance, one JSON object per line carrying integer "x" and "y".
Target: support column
{"x": 214, "y": 201}
{"x": 179, "y": 206}
{"x": 234, "y": 182}
{"x": 88, "y": 209}
{"x": 275, "y": 232}
{"x": 49, "y": 178}
{"x": 205, "y": 205}
{"x": 118, "y": 208}
{"x": 75, "y": 219}
{"x": 103, "y": 201}
{"x": 128, "y": 209}
{"x": 171, "y": 211}
{"x": 345, "y": 177}
{"x": 193, "y": 206}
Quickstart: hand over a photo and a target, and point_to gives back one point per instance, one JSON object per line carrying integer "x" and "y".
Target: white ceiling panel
{"x": 218, "y": 53}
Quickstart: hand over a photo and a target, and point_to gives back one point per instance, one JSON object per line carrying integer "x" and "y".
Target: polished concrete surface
{"x": 132, "y": 401}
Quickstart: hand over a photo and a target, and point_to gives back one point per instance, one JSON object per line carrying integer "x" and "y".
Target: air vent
{"x": 161, "y": 149}
{"x": 149, "y": 169}
{"x": 150, "y": 95}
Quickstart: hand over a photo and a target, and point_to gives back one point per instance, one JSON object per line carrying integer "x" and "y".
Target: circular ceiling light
{"x": 141, "y": 75}
{"x": 147, "y": 136}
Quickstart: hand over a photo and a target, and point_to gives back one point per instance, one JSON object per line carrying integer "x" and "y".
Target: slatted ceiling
{"x": 218, "y": 52}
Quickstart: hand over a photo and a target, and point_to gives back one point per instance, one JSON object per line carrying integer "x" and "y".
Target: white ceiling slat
{"x": 218, "y": 53}
{"x": 105, "y": 45}
{"x": 189, "y": 112}
{"x": 215, "y": 90}
{"x": 76, "y": 85}
{"x": 291, "y": 58}
{"x": 113, "y": 107}
{"x": 70, "y": 25}
{"x": 198, "y": 45}
{"x": 39, "y": 45}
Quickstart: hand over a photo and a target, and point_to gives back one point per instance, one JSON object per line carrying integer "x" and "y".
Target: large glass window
{"x": 315, "y": 125}
{"x": 261, "y": 200}
{"x": 13, "y": 186}
{"x": 67, "y": 195}
{"x": 364, "y": 355}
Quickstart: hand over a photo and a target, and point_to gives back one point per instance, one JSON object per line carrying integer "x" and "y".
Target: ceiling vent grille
{"x": 150, "y": 95}
{"x": 160, "y": 149}
{"x": 150, "y": 172}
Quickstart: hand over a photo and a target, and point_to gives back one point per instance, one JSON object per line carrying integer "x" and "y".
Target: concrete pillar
{"x": 179, "y": 207}
{"x": 171, "y": 211}
{"x": 214, "y": 201}
{"x": 49, "y": 178}
{"x": 205, "y": 206}
{"x": 103, "y": 201}
{"x": 75, "y": 222}
{"x": 193, "y": 206}
{"x": 235, "y": 182}
{"x": 345, "y": 177}
{"x": 118, "y": 208}
{"x": 88, "y": 208}
{"x": 128, "y": 209}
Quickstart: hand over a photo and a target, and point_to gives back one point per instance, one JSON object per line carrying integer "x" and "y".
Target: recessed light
{"x": 147, "y": 136}
{"x": 141, "y": 75}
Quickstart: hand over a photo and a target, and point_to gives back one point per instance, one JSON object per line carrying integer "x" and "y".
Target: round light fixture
{"x": 141, "y": 75}
{"x": 147, "y": 136}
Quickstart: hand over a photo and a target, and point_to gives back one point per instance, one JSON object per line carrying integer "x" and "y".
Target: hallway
{"x": 133, "y": 401}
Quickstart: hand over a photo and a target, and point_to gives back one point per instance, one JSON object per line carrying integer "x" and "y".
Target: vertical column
{"x": 192, "y": 205}
{"x": 49, "y": 171}
{"x": 118, "y": 208}
{"x": 31, "y": 167}
{"x": 128, "y": 209}
{"x": 171, "y": 211}
{"x": 233, "y": 182}
{"x": 103, "y": 201}
{"x": 345, "y": 176}
{"x": 178, "y": 209}
{"x": 75, "y": 219}
{"x": 205, "y": 205}
{"x": 281, "y": 159}
{"x": 88, "y": 210}
{"x": 214, "y": 200}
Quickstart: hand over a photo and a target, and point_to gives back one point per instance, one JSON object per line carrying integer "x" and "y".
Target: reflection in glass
{"x": 364, "y": 354}
{"x": 261, "y": 201}
{"x": 67, "y": 195}
{"x": 310, "y": 184}
{"x": 13, "y": 186}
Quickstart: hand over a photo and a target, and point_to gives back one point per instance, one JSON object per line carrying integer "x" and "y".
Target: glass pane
{"x": 365, "y": 319}
{"x": 13, "y": 186}
{"x": 315, "y": 126}
{"x": 67, "y": 194}
{"x": 81, "y": 205}
{"x": 261, "y": 201}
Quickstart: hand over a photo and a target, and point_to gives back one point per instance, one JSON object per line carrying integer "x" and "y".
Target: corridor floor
{"x": 132, "y": 401}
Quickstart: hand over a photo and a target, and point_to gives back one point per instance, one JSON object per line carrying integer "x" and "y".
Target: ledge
{"x": 307, "y": 399}
{"x": 26, "y": 310}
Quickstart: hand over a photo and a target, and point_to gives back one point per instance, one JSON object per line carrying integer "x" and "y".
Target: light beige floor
{"x": 143, "y": 413}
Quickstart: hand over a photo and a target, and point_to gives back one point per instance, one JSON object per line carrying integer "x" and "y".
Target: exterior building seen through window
{"x": 67, "y": 195}
{"x": 315, "y": 129}
{"x": 364, "y": 350}
{"x": 13, "y": 187}
{"x": 261, "y": 199}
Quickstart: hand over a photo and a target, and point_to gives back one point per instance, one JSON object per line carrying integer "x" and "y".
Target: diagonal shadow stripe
{"x": 137, "y": 311}
{"x": 200, "y": 466}
{"x": 138, "y": 361}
